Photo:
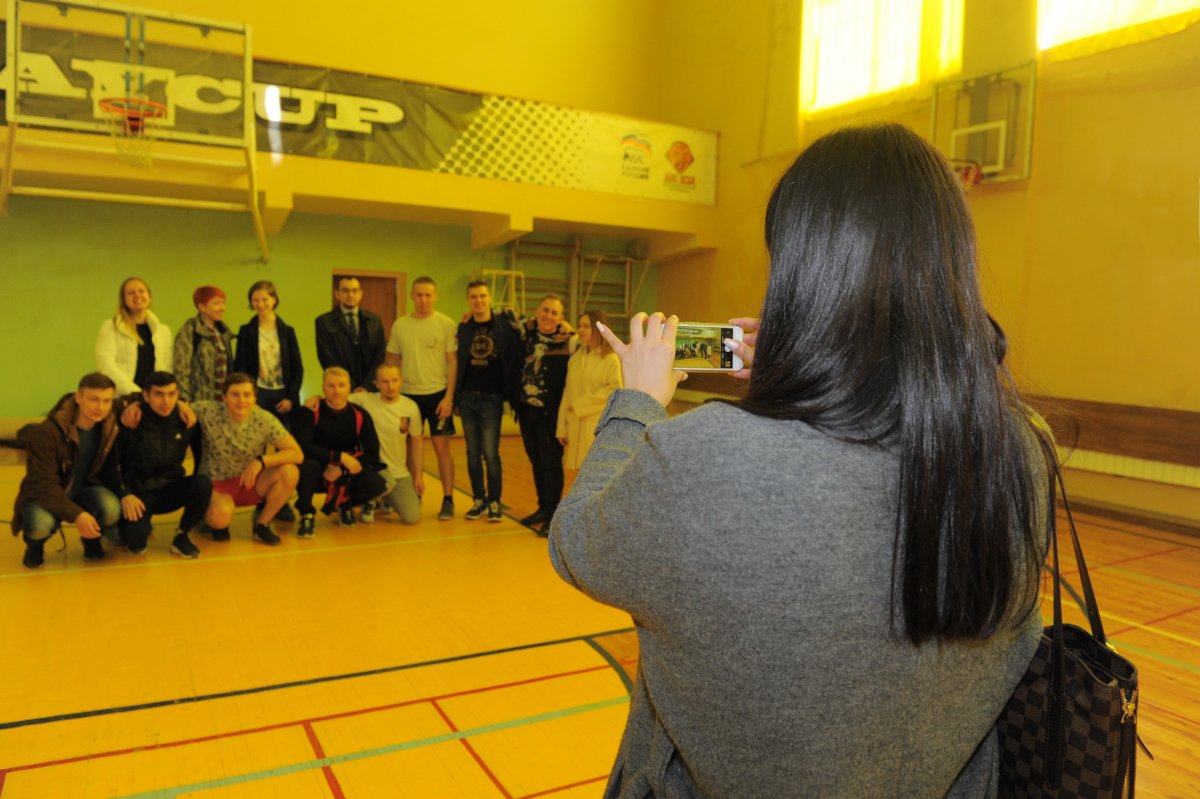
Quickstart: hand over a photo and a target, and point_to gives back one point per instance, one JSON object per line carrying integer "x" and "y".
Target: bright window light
{"x": 1061, "y": 21}
{"x": 853, "y": 49}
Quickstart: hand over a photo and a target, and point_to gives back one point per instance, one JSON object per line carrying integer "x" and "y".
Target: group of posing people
{"x": 111, "y": 455}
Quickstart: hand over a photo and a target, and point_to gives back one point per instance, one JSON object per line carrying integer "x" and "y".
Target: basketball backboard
{"x": 988, "y": 120}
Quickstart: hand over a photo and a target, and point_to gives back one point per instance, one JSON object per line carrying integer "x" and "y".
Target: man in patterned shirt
{"x": 237, "y": 434}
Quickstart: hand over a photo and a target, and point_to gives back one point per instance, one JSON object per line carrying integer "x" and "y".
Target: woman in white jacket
{"x": 133, "y": 344}
{"x": 593, "y": 373}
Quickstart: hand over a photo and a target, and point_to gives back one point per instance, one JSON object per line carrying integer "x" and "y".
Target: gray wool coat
{"x": 755, "y": 558}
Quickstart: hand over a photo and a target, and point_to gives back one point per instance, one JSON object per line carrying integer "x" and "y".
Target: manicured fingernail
{"x": 730, "y": 345}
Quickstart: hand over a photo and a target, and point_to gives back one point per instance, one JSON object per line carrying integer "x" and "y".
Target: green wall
{"x": 62, "y": 262}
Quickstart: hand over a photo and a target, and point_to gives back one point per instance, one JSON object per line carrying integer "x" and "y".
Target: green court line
{"x": 1150, "y": 653}
{"x": 1146, "y": 578}
{"x": 282, "y": 771}
{"x": 273, "y": 553}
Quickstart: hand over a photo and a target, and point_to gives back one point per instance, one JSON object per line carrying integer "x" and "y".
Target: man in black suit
{"x": 351, "y": 337}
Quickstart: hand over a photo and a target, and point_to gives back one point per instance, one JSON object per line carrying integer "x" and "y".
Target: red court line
{"x": 495, "y": 780}
{"x": 1152, "y": 622}
{"x": 1159, "y": 709}
{"x": 562, "y": 788}
{"x": 295, "y": 722}
{"x": 1095, "y": 567}
{"x": 330, "y": 778}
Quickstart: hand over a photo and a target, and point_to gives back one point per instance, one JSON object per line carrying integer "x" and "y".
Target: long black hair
{"x": 873, "y": 330}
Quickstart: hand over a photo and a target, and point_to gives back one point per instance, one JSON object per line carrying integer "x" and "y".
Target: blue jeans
{"x": 40, "y": 523}
{"x": 481, "y": 414}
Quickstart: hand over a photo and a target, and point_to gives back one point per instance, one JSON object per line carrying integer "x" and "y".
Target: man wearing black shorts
{"x": 424, "y": 345}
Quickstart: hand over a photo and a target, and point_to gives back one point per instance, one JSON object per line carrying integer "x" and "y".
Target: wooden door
{"x": 383, "y": 294}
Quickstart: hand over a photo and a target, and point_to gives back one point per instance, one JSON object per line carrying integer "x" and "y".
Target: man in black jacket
{"x": 351, "y": 337}
{"x": 341, "y": 455}
{"x": 152, "y": 474}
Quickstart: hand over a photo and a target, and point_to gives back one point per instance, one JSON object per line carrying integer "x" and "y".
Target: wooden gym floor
{"x": 441, "y": 660}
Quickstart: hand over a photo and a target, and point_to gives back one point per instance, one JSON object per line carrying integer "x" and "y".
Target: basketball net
{"x": 132, "y": 122}
{"x": 969, "y": 174}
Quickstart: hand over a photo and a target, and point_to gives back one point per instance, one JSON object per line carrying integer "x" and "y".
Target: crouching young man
{"x": 153, "y": 479}
{"x": 71, "y": 474}
{"x": 341, "y": 450}
{"x": 398, "y": 425}
{"x": 236, "y": 435}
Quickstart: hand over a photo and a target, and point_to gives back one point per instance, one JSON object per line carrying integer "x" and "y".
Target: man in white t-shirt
{"x": 398, "y": 424}
{"x": 424, "y": 345}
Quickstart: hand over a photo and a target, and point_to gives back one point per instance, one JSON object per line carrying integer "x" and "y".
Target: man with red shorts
{"x": 237, "y": 434}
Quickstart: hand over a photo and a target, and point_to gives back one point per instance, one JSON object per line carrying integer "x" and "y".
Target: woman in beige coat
{"x": 593, "y": 373}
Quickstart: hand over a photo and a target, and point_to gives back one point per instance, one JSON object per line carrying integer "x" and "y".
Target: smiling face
{"x": 162, "y": 399}
{"x": 263, "y": 303}
{"x": 549, "y": 315}
{"x": 424, "y": 295}
{"x": 135, "y": 295}
{"x": 240, "y": 399}
{"x": 213, "y": 311}
{"x": 348, "y": 293}
{"x": 94, "y": 404}
{"x": 585, "y": 331}
{"x": 479, "y": 299}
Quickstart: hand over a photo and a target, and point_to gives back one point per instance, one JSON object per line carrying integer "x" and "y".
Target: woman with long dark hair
{"x": 834, "y": 579}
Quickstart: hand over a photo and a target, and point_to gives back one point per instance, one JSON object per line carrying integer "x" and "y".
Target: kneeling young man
{"x": 71, "y": 474}
{"x": 153, "y": 479}
{"x": 341, "y": 449}
{"x": 236, "y": 434}
{"x": 398, "y": 425}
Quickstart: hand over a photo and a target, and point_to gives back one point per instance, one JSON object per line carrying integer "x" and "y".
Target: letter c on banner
{"x": 186, "y": 89}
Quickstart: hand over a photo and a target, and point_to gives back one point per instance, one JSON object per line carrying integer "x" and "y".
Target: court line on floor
{"x": 379, "y": 751}
{"x": 562, "y": 788}
{"x": 1150, "y": 653}
{"x": 471, "y": 751}
{"x": 304, "y": 722}
{"x": 1091, "y": 522}
{"x": 331, "y": 779}
{"x": 1098, "y": 566}
{"x": 8, "y": 725}
{"x": 1146, "y": 624}
{"x": 272, "y": 553}
{"x": 612, "y": 661}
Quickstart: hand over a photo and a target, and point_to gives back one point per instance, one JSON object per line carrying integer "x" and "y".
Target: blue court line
{"x": 293, "y": 768}
{"x": 187, "y": 700}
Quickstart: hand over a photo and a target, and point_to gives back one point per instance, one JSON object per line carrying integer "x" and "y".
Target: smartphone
{"x": 701, "y": 347}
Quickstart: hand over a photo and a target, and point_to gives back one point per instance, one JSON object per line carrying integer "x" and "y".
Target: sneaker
{"x": 368, "y": 513}
{"x": 182, "y": 546}
{"x": 263, "y": 534}
{"x": 535, "y": 518}
{"x": 136, "y": 549}
{"x": 447, "y": 511}
{"x": 383, "y": 507}
{"x": 113, "y": 537}
{"x": 476, "y": 510}
{"x": 92, "y": 549}
{"x": 308, "y": 521}
{"x": 346, "y": 516}
{"x": 494, "y": 512}
{"x": 220, "y": 534}
{"x": 35, "y": 554}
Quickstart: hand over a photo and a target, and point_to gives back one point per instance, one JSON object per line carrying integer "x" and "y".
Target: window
{"x": 1105, "y": 24}
{"x": 854, "y": 49}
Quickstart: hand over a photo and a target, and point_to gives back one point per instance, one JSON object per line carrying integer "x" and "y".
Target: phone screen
{"x": 703, "y": 347}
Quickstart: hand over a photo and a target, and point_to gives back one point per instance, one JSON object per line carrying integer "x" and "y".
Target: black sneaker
{"x": 346, "y": 516}
{"x": 307, "y": 522}
{"x": 264, "y": 534}
{"x": 35, "y": 554}
{"x": 494, "y": 512}
{"x": 220, "y": 534}
{"x": 447, "y": 511}
{"x": 535, "y": 518}
{"x": 92, "y": 549}
{"x": 182, "y": 546}
{"x": 476, "y": 511}
{"x": 367, "y": 515}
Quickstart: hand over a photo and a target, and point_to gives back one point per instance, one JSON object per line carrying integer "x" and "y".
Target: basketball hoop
{"x": 132, "y": 121}
{"x": 969, "y": 173}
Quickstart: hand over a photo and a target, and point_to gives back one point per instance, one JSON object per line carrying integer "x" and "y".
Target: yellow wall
{"x": 1092, "y": 265}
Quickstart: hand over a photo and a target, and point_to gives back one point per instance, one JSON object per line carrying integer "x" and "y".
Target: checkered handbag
{"x": 1070, "y": 727}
